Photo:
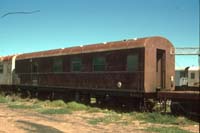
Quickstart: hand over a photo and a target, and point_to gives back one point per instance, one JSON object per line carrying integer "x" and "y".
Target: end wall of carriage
{"x": 159, "y": 64}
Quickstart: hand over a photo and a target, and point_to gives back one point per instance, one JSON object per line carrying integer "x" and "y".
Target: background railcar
{"x": 135, "y": 65}
{"x": 7, "y": 67}
{"x": 187, "y": 76}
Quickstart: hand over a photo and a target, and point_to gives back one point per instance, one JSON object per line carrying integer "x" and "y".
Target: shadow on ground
{"x": 37, "y": 128}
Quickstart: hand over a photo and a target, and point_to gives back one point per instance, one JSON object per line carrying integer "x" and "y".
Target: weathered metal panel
{"x": 178, "y": 95}
{"x": 152, "y": 44}
{"x": 110, "y": 46}
{"x": 130, "y": 81}
{"x": 87, "y": 78}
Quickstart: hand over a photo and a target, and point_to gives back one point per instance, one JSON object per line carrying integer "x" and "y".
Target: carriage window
{"x": 1, "y": 68}
{"x": 35, "y": 68}
{"x": 57, "y": 65}
{"x": 76, "y": 64}
{"x": 192, "y": 75}
{"x": 99, "y": 63}
{"x": 132, "y": 62}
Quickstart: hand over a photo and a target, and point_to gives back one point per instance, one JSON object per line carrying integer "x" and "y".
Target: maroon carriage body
{"x": 135, "y": 65}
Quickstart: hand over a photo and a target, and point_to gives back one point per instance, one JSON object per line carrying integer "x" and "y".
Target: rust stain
{"x": 125, "y": 44}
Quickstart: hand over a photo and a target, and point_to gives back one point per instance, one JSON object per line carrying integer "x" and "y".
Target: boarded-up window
{"x": 1, "y": 68}
{"x": 76, "y": 64}
{"x": 99, "y": 63}
{"x": 192, "y": 75}
{"x": 132, "y": 62}
{"x": 57, "y": 65}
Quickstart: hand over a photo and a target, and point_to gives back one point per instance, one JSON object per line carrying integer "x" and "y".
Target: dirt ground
{"x": 21, "y": 121}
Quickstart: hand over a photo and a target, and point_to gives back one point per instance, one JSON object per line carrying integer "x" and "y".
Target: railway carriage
{"x": 130, "y": 68}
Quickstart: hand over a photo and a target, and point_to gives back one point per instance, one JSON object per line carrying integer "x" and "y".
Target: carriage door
{"x": 160, "y": 68}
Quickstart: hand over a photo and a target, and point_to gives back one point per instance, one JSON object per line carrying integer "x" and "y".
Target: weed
{"x": 49, "y": 104}
{"x": 3, "y": 99}
{"x": 114, "y": 118}
{"x": 93, "y": 110}
{"x": 20, "y": 106}
{"x": 95, "y": 121}
{"x": 60, "y": 107}
{"x": 74, "y": 106}
{"x": 166, "y": 130}
{"x": 160, "y": 118}
{"x": 17, "y": 105}
{"x": 55, "y": 111}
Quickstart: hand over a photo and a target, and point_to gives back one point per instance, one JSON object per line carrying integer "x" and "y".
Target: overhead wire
{"x": 21, "y": 12}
